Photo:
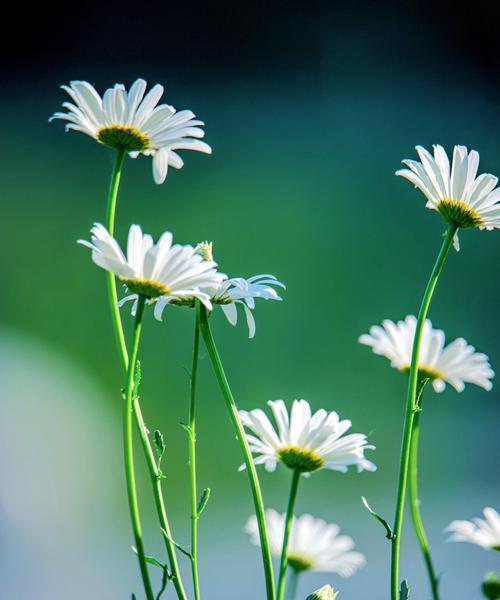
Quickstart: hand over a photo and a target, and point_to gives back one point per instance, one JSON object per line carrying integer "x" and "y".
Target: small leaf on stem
{"x": 389, "y": 534}
{"x": 404, "y": 592}
{"x": 205, "y": 497}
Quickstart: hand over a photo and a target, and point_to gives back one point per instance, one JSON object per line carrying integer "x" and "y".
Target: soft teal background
{"x": 300, "y": 185}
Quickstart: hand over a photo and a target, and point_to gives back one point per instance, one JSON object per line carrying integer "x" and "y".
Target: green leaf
{"x": 205, "y": 497}
{"x": 150, "y": 559}
{"x": 389, "y": 535}
{"x": 137, "y": 379}
{"x": 159, "y": 443}
{"x": 165, "y": 579}
{"x": 188, "y": 428}
{"x": 178, "y": 546}
{"x": 404, "y": 592}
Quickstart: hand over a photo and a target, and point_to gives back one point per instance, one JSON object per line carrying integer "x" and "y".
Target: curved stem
{"x": 410, "y": 411}
{"x": 110, "y": 278}
{"x": 128, "y": 453}
{"x": 414, "y": 504}
{"x": 286, "y": 537}
{"x": 192, "y": 456}
{"x": 247, "y": 455}
{"x": 122, "y": 349}
{"x": 291, "y": 588}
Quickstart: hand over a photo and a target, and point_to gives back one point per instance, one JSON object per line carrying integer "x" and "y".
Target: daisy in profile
{"x": 231, "y": 292}
{"x": 314, "y": 544}
{"x": 134, "y": 122}
{"x": 482, "y": 532}
{"x": 456, "y": 364}
{"x": 303, "y": 441}
{"x": 154, "y": 270}
{"x": 463, "y": 198}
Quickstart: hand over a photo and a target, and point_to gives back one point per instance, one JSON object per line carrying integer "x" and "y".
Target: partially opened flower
{"x": 463, "y": 198}
{"x": 231, "y": 292}
{"x": 134, "y": 122}
{"x": 303, "y": 441}
{"x": 482, "y": 532}
{"x": 314, "y": 545}
{"x": 457, "y": 364}
{"x": 154, "y": 270}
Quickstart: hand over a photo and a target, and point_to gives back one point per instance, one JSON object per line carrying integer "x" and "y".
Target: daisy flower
{"x": 154, "y": 270}
{"x": 456, "y": 364}
{"x": 314, "y": 544}
{"x": 303, "y": 441}
{"x": 324, "y": 593}
{"x": 463, "y": 198}
{"x": 482, "y": 532}
{"x": 231, "y": 292}
{"x": 134, "y": 122}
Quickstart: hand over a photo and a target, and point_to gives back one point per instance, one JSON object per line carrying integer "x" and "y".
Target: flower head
{"x": 230, "y": 292}
{"x": 154, "y": 270}
{"x": 324, "y": 593}
{"x": 482, "y": 532}
{"x": 303, "y": 441}
{"x": 456, "y": 364}
{"x": 314, "y": 544}
{"x": 134, "y": 122}
{"x": 463, "y": 198}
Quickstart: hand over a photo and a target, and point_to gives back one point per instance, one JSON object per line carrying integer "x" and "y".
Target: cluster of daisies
{"x": 166, "y": 274}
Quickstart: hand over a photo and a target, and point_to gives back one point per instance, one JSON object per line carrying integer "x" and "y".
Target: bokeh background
{"x": 309, "y": 109}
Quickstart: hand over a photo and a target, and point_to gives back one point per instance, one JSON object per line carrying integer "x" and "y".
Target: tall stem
{"x": 286, "y": 537}
{"x": 247, "y": 455}
{"x": 192, "y": 456}
{"x": 414, "y": 503}
{"x": 122, "y": 349}
{"x": 410, "y": 411}
{"x": 128, "y": 453}
{"x": 114, "y": 184}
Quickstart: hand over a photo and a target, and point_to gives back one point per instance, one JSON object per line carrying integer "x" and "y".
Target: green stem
{"x": 291, "y": 588}
{"x": 414, "y": 503}
{"x": 247, "y": 455}
{"x": 410, "y": 411}
{"x": 128, "y": 452}
{"x": 122, "y": 349}
{"x": 110, "y": 278}
{"x": 192, "y": 456}
{"x": 286, "y": 537}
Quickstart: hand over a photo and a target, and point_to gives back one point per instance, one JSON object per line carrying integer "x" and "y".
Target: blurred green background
{"x": 309, "y": 111}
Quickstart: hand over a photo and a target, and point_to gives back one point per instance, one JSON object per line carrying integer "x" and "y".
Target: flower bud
{"x": 324, "y": 593}
{"x": 491, "y": 585}
{"x": 204, "y": 249}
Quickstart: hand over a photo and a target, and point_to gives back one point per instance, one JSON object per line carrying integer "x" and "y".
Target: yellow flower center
{"x": 425, "y": 372}
{"x": 300, "y": 459}
{"x": 299, "y": 563}
{"x": 123, "y": 136}
{"x": 459, "y": 213}
{"x": 146, "y": 287}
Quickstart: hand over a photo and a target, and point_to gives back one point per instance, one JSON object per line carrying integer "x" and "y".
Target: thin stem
{"x": 110, "y": 278}
{"x": 122, "y": 349}
{"x": 247, "y": 455}
{"x": 291, "y": 588}
{"x": 410, "y": 411}
{"x": 156, "y": 477}
{"x": 128, "y": 453}
{"x": 192, "y": 456}
{"x": 414, "y": 503}
{"x": 286, "y": 537}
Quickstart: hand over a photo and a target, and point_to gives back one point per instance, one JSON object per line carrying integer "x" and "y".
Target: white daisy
{"x": 303, "y": 441}
{"x": 231, "y": 292}
{"x": 154, "y": 270}
{"x": 314, "y": 544}
{"x": 456, "y": 364}
{"x": 463, "y": 198}
{"x": 134, "y": 122}
{"x": 482, "y": 532}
